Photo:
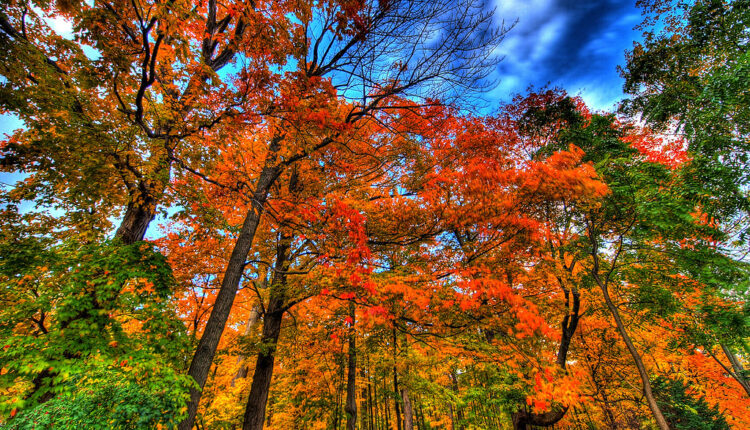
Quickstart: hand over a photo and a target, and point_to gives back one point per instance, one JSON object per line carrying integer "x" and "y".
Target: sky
{"x": 573, "y": 44}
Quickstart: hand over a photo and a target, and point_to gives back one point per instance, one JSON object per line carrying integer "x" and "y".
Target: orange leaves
{"x": 670, "y": 151}
{"x": 554, "y": 387}
{"x": 562, "y": 177}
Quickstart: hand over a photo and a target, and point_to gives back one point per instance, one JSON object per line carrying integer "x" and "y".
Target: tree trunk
{"x": 408, "y": 411}
{"x": 386, "y": 404}
{"x": 524, "y": 418}
{"x": 143, "y": 198}
{"x": 459, "y": 410}
{"x": 658, "y": 416}
{"x": 370, "y": 409}
{"x": 351, "y": 377}
{"x": 569, "y": 325}
{"x": 739, "y": 371}
{"x": 140, "y": 212}
{"x": 604, "y": 287}
{"x": 206, "y": 350}
{"x": 255, "y": 410}
{"x": 395, "y": 382}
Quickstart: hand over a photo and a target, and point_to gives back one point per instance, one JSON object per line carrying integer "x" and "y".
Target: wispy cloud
{"x": 574, "y": 44}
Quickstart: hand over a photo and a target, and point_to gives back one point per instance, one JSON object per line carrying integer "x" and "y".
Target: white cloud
{"x": 539, "y": 28}
{"x": 568, "y": 44}
{"x": 61, "y": 26}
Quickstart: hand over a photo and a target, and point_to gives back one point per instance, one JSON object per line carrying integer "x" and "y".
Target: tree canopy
{"x": 290, "y": 215}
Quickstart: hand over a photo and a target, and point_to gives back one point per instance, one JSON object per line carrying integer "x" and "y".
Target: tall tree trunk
{"x": 395, "y": 382}
{"x": 251, "y": 321}
{"x": 603, "y": 284}
{"x": 420, "y": 413}
{"x": 408, "y": 411}
{"x": 371, "y": 412}
{"x": 351, "y": 376}
{"x": 658, "y": 416}
{"x": 386, "y": 404}
{"x": 206, "y": 350}
{"x": 523, "y": 417}
{"x": 459, "y": 410}
{"x": 569, "y": 325}
{"x": 255, "y": 410}
{"x": 738, "y": 371}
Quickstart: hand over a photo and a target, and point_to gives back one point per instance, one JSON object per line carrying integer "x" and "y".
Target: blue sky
{"x": 573, "y": 44}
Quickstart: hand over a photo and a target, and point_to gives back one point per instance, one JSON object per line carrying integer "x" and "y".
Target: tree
{"x": 109, "y": 114}
{"x": 367, "y": 33}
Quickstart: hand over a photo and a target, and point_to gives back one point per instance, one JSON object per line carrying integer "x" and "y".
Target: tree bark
{"x": 255, "y": 410}
{"x": 140, "y": 211}
{"x": 450, "y": 414}
{"x": 395, "y": 382}
{"x": 739, "y": 371}
{"x": 206, "y": 350}
{"x": 408, "y": 411}
{"x": 144, "y": 196}
{"x": 351, "y": 379}
{"x": 569, "y": 325}
{"x": 524, "y": 418}
{"x": 459, "y": 410}
{"x": 655, "y": 410}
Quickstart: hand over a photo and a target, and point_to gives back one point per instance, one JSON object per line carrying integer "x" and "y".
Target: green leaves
{"x": 683, "y": 411}
{"x": 111, "y": 396}
{"x": 97, "y": 301}
{"x": 694, "y": 77}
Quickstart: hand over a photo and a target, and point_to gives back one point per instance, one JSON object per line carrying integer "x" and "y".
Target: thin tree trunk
{"x": 420, "y": 413}
{"x": 386, "y": 403}
{"x": 604, "y": 287}
{"x": 658, "y": 416}
{"x": 255, "y": 410}
{"x": 373, "y": 381}
{"x": 524, "y": 418}
{"x": 363, "y": 407}
{"x": 351, "y": 379}
{"x": 206, "y": 350}
{"x": 395, "y": 381}
{"x": 459, "y": 410}
{"x": 739, "y": 372}
{"x": 371, "y": 412}
{"x": 408, "y": 411}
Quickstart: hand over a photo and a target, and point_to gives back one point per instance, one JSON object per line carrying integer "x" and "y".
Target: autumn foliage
{"x": 286, "y": 215}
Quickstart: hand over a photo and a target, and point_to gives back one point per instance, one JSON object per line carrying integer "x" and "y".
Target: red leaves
{"x": 670, "y": 151}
